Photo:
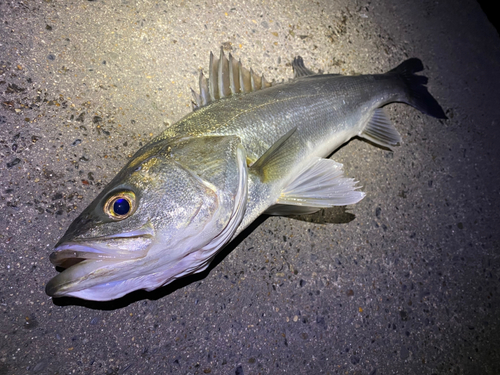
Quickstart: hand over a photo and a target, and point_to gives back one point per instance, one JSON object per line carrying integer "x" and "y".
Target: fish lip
{"x": 79, "y": 259}
{"x": 70, "y": 253}
{"x": 57, "y": 286}
{"x": 66, "y": 282}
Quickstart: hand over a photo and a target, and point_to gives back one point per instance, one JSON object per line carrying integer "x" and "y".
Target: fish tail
{"x": 417, "y": 94}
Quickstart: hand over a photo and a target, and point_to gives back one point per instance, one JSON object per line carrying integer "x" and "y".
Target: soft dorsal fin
{"x": 299, "y": 69}
{"x": 226, "y": 78}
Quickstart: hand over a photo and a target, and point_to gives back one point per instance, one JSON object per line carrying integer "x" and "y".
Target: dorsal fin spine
{"x": 212, "y": 78}
{"x": 226, "y": 77}
{"x": 233, "y": 75}
{"x": 204, "y": 94}
{"x": 223, "y": 76}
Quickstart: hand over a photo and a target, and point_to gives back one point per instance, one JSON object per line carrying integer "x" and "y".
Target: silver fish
{"x": 248, "y": 148}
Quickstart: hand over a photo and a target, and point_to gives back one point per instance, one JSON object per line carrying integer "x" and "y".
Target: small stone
{"x": 14, "y": 162}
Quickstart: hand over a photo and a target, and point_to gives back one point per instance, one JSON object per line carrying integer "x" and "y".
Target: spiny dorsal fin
{"x": 226, "y": 78}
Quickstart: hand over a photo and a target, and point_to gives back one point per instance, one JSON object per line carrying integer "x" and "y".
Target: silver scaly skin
{"x": 248, "y": 148}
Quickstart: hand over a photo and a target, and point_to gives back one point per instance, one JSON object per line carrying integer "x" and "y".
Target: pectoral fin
{"x": 272, "y": 158}
{"x": 321, "y": 184}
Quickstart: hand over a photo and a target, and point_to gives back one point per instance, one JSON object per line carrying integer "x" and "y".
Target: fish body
{"x": 246, "y": 149}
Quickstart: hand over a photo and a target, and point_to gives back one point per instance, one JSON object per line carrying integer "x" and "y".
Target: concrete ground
{"x": 405, "y": 282}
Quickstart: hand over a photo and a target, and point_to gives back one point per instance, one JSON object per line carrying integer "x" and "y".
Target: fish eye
{"x": 120, "y": 205}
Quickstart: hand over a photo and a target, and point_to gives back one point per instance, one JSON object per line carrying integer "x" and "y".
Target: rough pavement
{"x": 405, "y": 282}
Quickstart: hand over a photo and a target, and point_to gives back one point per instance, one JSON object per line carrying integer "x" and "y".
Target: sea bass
{"x": 248, "y": 148}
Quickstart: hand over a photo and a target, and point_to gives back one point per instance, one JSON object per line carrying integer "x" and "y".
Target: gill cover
{"x": 186, "y": 196}
{"x": 220, "y": 164}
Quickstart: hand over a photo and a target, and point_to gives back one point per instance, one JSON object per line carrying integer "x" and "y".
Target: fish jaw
{"x": 71, "y": 282}
{"x": 88, "y": 261}
{"x": 106, "y": 268}
{"x": 97, "y": 278}
{"x": 87, "y": 280}
{"x": 132, "y": 245}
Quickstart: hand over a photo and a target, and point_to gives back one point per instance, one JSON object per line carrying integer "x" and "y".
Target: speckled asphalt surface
{"x": 405, "y": 282}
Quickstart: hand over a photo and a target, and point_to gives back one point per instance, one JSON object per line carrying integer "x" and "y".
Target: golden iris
{"x": 120, "y": 205}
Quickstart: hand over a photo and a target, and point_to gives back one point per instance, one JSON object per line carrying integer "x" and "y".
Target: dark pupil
{"x": 121, "y": 206}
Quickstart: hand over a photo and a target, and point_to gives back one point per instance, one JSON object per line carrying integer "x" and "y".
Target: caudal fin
{"x": 418, "y": 96}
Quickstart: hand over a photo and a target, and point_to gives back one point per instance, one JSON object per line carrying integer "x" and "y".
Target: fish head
{"x": 165, "y": 215}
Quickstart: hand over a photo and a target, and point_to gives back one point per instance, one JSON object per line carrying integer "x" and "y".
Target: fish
{"x": 249, "y": 147}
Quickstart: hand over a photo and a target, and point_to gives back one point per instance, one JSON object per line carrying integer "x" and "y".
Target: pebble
{"x": 13, "y": 162}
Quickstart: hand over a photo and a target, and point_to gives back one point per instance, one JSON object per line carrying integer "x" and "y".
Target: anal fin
{"x": 321, "y": 184}
{"x": 380, "y": 130}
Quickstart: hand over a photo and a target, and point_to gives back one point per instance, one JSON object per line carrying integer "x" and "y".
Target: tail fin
{"x": 418, "y": 96}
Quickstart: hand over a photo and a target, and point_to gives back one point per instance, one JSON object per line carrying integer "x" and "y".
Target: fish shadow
{"x": 334, "y": 215}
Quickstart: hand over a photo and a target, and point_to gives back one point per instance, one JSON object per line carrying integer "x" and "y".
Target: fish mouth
{"x": 84, "y": 260}
{"x": 117, "y": 247}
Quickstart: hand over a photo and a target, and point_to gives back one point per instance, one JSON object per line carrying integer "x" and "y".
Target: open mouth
{"x": 120, "y": 247}
{"x": 83, "y": 260}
